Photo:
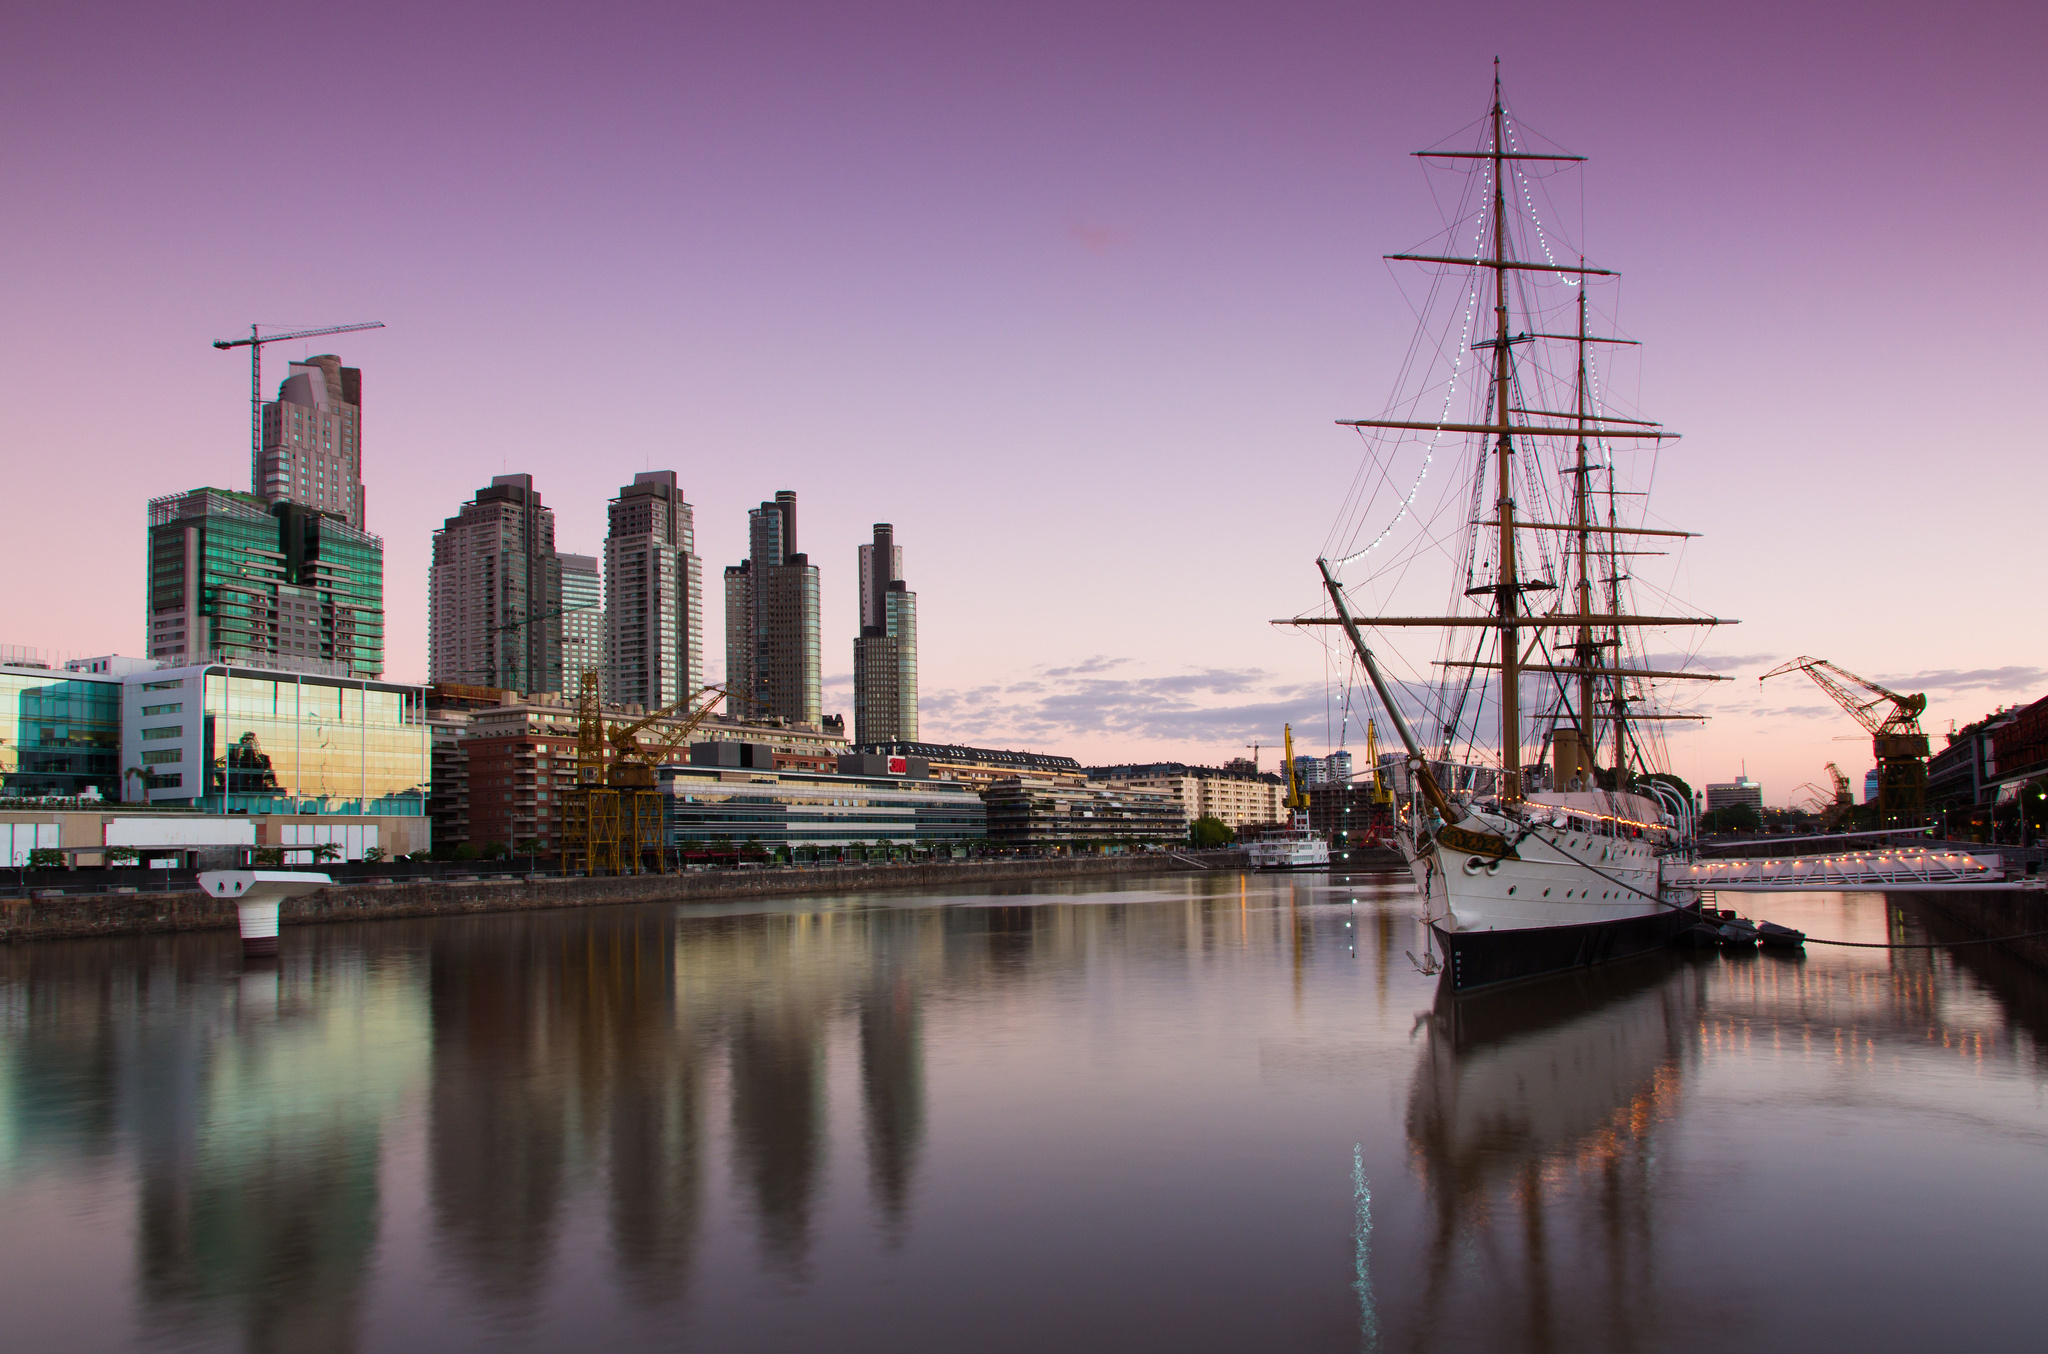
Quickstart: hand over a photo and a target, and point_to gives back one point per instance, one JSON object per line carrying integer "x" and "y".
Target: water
{"x": 1205, "y": 1113}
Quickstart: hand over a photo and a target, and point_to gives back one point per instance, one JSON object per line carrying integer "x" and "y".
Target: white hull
{"x": 1562, "y": 873}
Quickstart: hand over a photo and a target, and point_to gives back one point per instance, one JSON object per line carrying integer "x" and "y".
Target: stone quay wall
{"x": 53, "y": 917}
{"x": 1994, "y": 912}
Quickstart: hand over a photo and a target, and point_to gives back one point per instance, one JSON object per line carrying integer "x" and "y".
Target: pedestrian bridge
{"x": 1884, "y": 870}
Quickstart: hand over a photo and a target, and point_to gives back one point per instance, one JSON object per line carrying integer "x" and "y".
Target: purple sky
{"x": 1071, "y": 294}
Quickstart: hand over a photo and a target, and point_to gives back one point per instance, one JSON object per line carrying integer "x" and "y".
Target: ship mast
{"x": 1507, "y": 586}
{"x": 1582, "y": 513}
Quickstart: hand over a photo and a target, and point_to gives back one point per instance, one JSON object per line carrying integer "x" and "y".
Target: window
{"x": 174, "y": 781}
{"x": 162, "y": 755}
{"x": 152, "y": 711}
{"x": 163, "y": 686}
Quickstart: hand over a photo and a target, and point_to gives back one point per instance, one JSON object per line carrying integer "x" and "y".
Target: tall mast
{"x": 1504, "y": 501}
{"x": 1582, "y": 512}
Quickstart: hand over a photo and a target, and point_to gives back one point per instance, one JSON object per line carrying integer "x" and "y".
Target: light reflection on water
{"x": 1208, "y": 1113}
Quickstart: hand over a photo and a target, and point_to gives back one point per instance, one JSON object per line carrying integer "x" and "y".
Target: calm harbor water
{"x": 1205, "y": 1113}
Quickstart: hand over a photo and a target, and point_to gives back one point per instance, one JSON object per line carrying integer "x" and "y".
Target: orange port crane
{"x": 1893, "y": 722}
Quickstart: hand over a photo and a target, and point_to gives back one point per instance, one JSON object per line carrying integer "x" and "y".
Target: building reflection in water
{"x": 253, "y": 1102}
{"x": 1532, "y": 1118}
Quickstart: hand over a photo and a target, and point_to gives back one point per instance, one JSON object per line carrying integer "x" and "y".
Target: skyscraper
{"x": 582, "y": 619}
{"x": 654, "y": 595}
{"x": 280, "y": 585}
{"x": 313, "y": 441}
{"x": 739, "y": 633}
{"x": 885, "y": 655}
{"x": 494, "y": 600}
{"x": 775, "y": 597}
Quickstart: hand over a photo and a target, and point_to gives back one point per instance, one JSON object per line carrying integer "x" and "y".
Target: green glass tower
{"x": 233, "y": 579}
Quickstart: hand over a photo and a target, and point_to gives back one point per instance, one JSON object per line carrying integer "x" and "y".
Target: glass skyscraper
{"x": 276, "y": 585}
{"x": 777, "y": 592}
{"x": 885, "y": 655}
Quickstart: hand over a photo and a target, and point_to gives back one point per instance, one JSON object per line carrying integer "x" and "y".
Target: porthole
{"x": 1511, "y": 890}
{"x": 1546, "y": 893}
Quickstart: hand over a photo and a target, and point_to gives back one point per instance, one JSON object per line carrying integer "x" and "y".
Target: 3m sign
{"x": 899, "y": 766}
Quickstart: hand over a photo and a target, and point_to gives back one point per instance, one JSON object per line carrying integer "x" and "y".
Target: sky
{"x": 1071, "y": 294}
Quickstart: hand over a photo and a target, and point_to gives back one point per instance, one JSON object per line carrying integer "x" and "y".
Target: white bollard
{"x": 257, "y": 894}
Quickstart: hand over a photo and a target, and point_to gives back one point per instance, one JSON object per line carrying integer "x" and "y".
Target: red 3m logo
{"x": 899, "y": 766}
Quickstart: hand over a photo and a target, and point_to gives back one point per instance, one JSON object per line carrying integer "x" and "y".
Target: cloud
{"x": 1674, "y": 660}
{"x": 1971, "y": 679}
{"x": 1073, "y": 703}
{"x": 1096, "y": 664}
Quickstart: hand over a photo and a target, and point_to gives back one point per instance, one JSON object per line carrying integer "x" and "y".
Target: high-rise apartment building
{"x": 739, "y": 633}
{"x": 494, "y": 600}
{"x": 313, "y": 441}
{"x": 885, "y": 655}
{"x": 774, "y": 596}
{"x": 582, "y": 619}
{"x": 654, "y": 595}
{"x": 233, "y": 579}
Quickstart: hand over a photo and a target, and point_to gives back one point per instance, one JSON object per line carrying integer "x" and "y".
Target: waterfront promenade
{"x": 81, "y": 905}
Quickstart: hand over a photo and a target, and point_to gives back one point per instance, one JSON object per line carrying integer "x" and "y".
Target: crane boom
{"x": 1895, "y": 738}
{"x": 254, "y": 343}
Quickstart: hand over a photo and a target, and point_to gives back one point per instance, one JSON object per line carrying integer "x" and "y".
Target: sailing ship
{"x": 1525, "y": 867}
{"x": 1298, "y": 847}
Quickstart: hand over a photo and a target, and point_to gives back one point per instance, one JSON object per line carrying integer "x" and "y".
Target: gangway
{"x": 1895, "y": 871}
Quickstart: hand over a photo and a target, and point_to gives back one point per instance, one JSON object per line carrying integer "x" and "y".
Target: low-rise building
{"x": 1043, "y": 813}
{"x": 60, "y": 728}
{"x": 1240, "y": 799}
{"x": 708, "y": 806}
{"x": 983, "y": 767}
{"x": 222, "y": 739}
{"x": 502, "y": 761}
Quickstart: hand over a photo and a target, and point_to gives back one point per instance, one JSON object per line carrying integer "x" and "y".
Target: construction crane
{"x": 1297, "y": 800}
{"x": 1255, "y": 756}
{"x": 1893, "y": 722}
{"x": 1381, "y": 795}
{"x": 611, "y": 816}
{"x": 254, "y": 343}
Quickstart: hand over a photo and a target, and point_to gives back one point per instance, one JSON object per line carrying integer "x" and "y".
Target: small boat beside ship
{"x": 1525, "y": 864}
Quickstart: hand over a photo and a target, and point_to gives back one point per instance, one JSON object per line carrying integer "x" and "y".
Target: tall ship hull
{"x": 1538, "y": 812}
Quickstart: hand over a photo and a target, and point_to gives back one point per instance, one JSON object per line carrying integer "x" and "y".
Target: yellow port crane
{"x": 1893, "y": 722}
{"x": 1297, "y": 799}
{"x": 612, "y": 815}
{"x": 1381, "y": 795}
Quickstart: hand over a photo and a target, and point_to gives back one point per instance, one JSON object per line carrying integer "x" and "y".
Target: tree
{"x": 324, "y": 852}
{"x": 492, "y": 851}
{"x": 1734, "y": 818}
{"x": 1209, "y": 831}
{"x": 465, "y": 852}
{"x": 46, "y": 858}
{"x": 373, "y": 854}
{"x": 267, "y": 855}
{"x": 122, "y": 856}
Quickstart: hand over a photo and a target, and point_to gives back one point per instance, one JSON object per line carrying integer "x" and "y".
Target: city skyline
{"x": 1068, "y": 269}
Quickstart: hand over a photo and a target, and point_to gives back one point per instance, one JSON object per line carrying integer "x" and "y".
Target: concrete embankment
{"x": 1992, "y": 912}
{"x": 67, "y": 916}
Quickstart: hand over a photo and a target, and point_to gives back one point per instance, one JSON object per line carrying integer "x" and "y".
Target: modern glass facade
{"x": 799, "y": 809}
{"x": 60, "y": 733}
{"x": 230, "y": 740}
{"x": 280, "y": 586}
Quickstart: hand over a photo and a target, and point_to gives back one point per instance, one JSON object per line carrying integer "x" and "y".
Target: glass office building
{"x": 60, "y": 732}
{"x": 801, "y": 809}
{"x": 277, "y": 586}
{"x": 237, "y": 740}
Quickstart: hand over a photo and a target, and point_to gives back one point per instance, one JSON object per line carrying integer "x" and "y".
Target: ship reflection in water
{"x": 1215, "y": 1112}
{"x": 1534, "y": 1118}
